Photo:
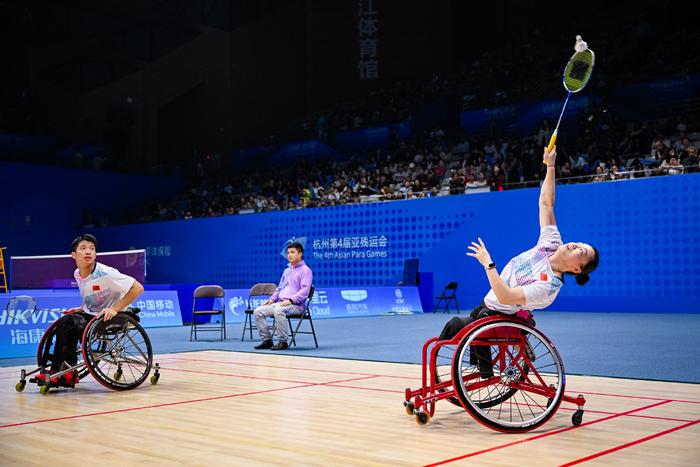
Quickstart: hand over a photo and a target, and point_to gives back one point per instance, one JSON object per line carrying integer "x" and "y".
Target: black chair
{"x": 212, "y": 292}
{"x": 448, "y": 295}
{"x": 304, "y": 315}
{"x": 258, "y": 290}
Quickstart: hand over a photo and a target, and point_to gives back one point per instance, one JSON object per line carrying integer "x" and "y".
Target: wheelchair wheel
{"x": 512, "y": 391}
{"x": 119, "y": 346}
{"x": 45, "y": 351}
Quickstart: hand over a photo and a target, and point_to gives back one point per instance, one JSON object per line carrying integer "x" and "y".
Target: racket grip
{"x": 552, "y": 142}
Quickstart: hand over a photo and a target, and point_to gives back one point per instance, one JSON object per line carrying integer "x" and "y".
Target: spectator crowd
{"x": 437, "y": 165}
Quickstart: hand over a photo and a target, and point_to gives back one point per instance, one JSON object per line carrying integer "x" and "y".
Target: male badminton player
{"x": 105, "y": 291}
{"x": 532, "y": 279}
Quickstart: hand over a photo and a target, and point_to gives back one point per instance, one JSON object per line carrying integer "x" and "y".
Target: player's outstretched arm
{"x": 548, "y": 188}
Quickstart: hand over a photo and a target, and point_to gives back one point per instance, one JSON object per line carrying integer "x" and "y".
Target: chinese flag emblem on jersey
{"x": 543, "y": 276}
{"x": 95, "y": 288}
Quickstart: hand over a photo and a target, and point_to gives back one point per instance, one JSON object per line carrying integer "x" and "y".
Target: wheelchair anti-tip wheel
{"x": 508, "y": 376}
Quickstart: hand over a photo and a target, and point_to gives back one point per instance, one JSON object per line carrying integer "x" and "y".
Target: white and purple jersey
{"x": 531, "y": 271}
{"x": 104, "y": 287}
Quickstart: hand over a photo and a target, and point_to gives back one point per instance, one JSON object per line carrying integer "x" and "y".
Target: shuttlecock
{"x": 580, "y": 44}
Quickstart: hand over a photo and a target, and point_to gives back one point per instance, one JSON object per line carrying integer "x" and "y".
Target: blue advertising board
{"x": 311, "y": 149}
{"x": 21, "y": 329}
{"x": 337, "y": 302}
{"x": 525, "y": 117}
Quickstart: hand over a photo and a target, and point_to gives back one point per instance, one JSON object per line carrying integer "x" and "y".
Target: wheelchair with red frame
{"x": 117, "y": 353}
{"x": 500, "y": 369}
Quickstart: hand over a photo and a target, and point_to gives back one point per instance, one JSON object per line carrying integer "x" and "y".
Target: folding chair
{"x": 448, "y": 295}
{"x": 213, "y": 292}
{"x": 305, "y": 315}
{"x": 258, "y": 290}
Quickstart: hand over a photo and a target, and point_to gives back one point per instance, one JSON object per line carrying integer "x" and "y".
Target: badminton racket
{"x": 576, "y": 75}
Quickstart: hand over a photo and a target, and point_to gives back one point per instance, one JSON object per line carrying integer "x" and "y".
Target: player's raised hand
{"x": 480, "y": 252}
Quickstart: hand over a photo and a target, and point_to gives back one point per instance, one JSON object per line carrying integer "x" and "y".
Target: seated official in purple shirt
{"x": 288, "y": 300}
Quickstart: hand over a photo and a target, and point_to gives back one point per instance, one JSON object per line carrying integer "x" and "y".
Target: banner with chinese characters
{"x": 22, "y": 326}
{"x": 368, "y": 39}
{"x": 338, "y": 302}
{"x": 355, "y": 247}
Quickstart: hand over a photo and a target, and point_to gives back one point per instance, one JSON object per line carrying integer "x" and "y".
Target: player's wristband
{"x": 491, "y": 266}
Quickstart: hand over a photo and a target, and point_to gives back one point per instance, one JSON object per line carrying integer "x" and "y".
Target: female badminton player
{"x": 532, "y": 279}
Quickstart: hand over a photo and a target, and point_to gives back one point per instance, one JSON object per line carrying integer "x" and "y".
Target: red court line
{"x": 15, "y": 373}
{"x": 631, "y": 443}
{"x": 544, "y": 435}
{"x": 296, "y": 368}
{"x": 650, "y": 417}
{"x": 211, "y": 373}
{"x": 169, "y": 404}
{"x": 395, "y": 391}
{"x": 634, "y": 397}
{"x": 261, "y": 377}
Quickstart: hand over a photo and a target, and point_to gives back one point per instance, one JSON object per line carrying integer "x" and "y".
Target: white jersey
{"x": 532, "y": 272}
{"x": 104, "y": 287}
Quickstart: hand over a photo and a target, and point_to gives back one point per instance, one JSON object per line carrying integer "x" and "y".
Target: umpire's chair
{"x": 304, "y": 315}
{"x": 262, "y": 289}
{"x": 448, "y": 295}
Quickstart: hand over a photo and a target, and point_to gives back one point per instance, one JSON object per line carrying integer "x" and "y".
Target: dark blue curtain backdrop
{"x": 646, "y": 231}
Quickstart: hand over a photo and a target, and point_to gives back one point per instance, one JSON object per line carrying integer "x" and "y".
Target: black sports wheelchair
{"x": 117, "y": 353}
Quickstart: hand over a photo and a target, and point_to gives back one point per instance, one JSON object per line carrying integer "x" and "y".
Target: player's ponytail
{"x": 584, "y": 275}
{"x": 582, "y": 278}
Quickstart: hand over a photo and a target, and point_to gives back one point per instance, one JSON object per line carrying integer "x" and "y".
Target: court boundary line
{"x": 635, "y": 442}
{"x": 318, "y": 370}
{"x": 543, "y": 435}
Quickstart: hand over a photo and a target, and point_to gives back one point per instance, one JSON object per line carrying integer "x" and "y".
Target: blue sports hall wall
{"x": 646, "y": 231}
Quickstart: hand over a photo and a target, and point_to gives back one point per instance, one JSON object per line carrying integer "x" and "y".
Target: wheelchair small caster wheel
{"x": 154, "y": 379}
{"x": 577, "y": 417}
{"x": 44, "y": 390}
{"x": 19, "y": 387}
{"x": 422, "y": 418}
{"x": 118, "y": 375}
{"x": 409, "y": 407}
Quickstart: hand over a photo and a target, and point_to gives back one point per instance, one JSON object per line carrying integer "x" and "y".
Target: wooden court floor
{"x": 249, "y": 409}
